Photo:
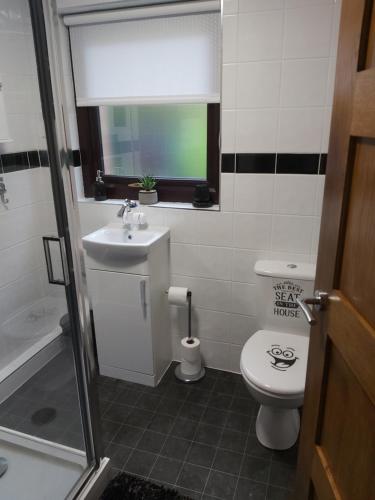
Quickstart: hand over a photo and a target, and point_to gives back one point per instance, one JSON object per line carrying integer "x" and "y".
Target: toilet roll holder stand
{"x": 183, "y": 377}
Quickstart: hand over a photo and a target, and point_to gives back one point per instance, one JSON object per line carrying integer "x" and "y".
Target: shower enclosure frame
{"x": 67, "y": 220}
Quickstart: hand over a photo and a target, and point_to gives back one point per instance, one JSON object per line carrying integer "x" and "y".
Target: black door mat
{"x": 126, "y": 487}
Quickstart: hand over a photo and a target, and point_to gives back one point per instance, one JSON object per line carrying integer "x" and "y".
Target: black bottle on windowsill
{"x": 100, "y": 191}
{"x": 202, "y": 196}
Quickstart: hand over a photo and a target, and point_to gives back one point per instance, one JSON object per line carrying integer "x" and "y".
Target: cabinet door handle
{"x": 142, "y": 285}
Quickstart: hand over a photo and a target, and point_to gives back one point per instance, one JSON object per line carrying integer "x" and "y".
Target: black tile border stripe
{"x": 256, "y": 163}
{"x": 24, "y": 160}
{"x": 323, "y": 164}
{"x": 298, "y": 163}
{"x": 273, "y": 163}
{"x": 228, "y": 162}
{"x": 240, "y": 163}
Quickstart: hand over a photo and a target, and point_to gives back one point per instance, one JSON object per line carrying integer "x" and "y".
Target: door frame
{"x": 350, "y": 59}
{"x": 67, "y": 220}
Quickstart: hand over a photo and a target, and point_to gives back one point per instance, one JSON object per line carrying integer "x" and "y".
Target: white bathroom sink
{"x": 116, "y": 240}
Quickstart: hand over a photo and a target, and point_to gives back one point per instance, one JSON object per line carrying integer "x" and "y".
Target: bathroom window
{"x": 166, "y": 141}
{"x": 147, "y": 86}
{"x": 176, "y": 143}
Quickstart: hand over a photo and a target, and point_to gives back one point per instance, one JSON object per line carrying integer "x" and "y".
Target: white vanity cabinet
{"x": 130, "y": 311}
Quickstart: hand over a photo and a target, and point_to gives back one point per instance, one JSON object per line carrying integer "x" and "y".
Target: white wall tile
{"x": 304, "y": 82}
{"x": 258, "y": 84}
{"x": 327, "y": 119}
{"x": 216, "y": 354}
{"x": 253, "y": 193}
{"x": 200, "y": 227}
{"x": 16, "y": 261}
{"x": 20, "y": 293}
{"x": 207, "y": 294}
{"x": 259, "y": 5}
{"x": 260, "y": 36}
{"x": 252, "y": 231}
{"x": 201, "y": 261}
{"x": 229, "y": 39}
{"x": 243, "y": 298}
{"x": 242, "y": 327}
{"x": 319, "y": 194}
{"x": 300, "y": 130}
{"x": 308, "y": 31}
{"x": 244, "y": 262}
{"x": 331, "y": 81}
{"x": 292, "y": 233}
{"x": 295, "y": 194}
{"x": 230, "y": 6}
{"x": 228, "y": 131}
{"x": 227, "y": 192}
{"x": 315, "y": 236}
{"x": 235, "y": 358}
{"x": 228, "y": 93}
{"x": 256, "y": 130}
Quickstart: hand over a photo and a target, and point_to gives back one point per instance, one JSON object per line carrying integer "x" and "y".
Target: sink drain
{"x": 3, "y": 466}
{"x": 43, "y": 416}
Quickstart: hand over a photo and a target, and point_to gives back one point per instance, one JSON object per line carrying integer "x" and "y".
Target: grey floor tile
{"x": 208, "y": 434}
{"x": 148, "y": 402}
{"x": 140, "y": 462}
{"x": 193, "y": 477}
{"x": 238, "y": 422}
{"x": 233, "y": 440}
{"x": 282, "y": 475}
{"x": 286, "y": 456}
{"x": 246, "y": 406}
{"x": 192, "y": 411}
{"x": 274, "y": 493}
{"x": 256, "y": 469}
{"x": 166, "y": 470}
{"x": 254, "y": 448}
{"x": 184, "y": 428}
{"x": 118, "y": 454}
{"x": 128, "y": 436}
{"x": 117, "y": 412}
{"x": 227, "y": 461}
{"x": 247, "y": 489}
{"x": 198, "y": 396}
{"x": 220, "y": 485}
{"x": 213, "y": 416}
{"x": 201, "y": 454}
{"x": 193, "y": 495}
{"x": 152, "y": 441}
{"x": 139, "y": 418}
{"x": 175, "y": 448}
{"x": 161, "y": 423}
{"x": 220, "y": 401}
{"x": 169, "y": 406}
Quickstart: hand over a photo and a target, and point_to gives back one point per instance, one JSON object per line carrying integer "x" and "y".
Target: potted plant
{"x": 147, "y": 194}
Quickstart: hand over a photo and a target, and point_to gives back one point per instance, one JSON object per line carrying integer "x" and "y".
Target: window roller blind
{"x": 167, "y": 59}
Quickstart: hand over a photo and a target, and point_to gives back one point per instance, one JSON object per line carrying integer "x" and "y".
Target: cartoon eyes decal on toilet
{"x": 282, "y": 358}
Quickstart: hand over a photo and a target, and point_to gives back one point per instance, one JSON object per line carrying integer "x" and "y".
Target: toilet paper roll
{"x": 178, "y": 295}
{"x": 191, "y": 362}
{"x": 190, "y": 349}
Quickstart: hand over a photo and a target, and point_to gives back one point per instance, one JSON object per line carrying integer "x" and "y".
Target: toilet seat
{"x": 275, "y": 363}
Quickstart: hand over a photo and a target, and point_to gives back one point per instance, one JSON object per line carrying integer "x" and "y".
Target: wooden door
{"x": 337, "y": 443}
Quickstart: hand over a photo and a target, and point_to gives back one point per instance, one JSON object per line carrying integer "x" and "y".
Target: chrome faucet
{"x": 126, "y": 208}
{"x": 3, "y": 190}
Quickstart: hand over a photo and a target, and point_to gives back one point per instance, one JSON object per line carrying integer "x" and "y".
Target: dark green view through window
{"x": 166, "y": 141}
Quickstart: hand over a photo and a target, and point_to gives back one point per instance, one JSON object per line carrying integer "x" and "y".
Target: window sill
{"x": 160, "y": 204}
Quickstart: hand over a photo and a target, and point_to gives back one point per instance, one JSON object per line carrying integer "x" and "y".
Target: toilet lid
{"x": 276, "y": 362}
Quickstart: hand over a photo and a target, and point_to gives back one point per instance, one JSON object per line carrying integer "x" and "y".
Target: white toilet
{"x": 274, "y": 359}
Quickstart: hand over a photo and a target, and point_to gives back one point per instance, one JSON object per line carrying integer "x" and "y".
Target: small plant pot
{"x": 148, "y": 197}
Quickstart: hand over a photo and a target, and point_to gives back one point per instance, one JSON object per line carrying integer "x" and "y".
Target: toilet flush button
{"x": 292, "y": 266}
